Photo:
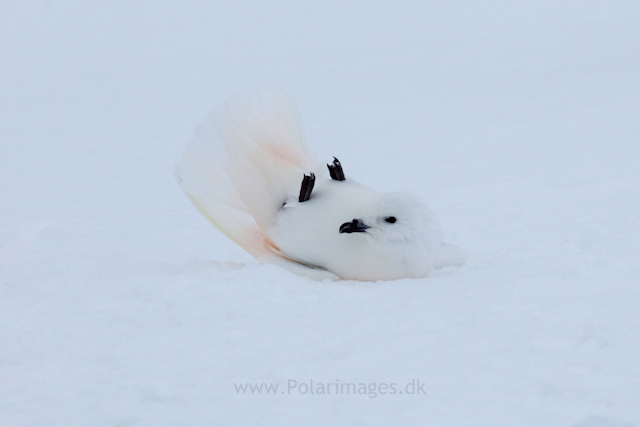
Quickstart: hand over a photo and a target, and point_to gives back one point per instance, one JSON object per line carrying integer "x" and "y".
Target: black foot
{"x": 335, "y": 170}
{"x": 307, "y": 186}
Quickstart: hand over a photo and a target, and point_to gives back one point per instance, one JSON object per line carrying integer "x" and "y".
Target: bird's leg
{"x": 335, "y": 170}
{"x": 306, "y": 187}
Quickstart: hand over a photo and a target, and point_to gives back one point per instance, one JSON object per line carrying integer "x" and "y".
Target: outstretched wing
{"x": 246, "y": 159}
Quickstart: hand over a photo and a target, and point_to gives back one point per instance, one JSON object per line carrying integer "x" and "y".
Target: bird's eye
{"x": 390, "y": 219}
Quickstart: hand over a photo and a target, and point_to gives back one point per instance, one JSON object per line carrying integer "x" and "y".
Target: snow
{"x": 518, "y": 123}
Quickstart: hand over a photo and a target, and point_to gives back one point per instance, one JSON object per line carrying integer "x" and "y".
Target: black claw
{"x": 335, "y": 170}
{"x": 306, "y": 187}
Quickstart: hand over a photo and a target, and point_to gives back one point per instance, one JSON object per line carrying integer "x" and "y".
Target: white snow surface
{"x": 518, "y": 123}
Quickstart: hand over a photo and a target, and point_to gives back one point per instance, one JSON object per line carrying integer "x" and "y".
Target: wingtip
{"x": 176, "y": 175}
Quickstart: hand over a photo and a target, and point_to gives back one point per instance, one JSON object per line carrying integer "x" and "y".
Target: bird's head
{"x": 391, "y": 220}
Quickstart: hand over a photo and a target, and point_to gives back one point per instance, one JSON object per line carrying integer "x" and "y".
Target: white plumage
{"x": 244, "y": 170}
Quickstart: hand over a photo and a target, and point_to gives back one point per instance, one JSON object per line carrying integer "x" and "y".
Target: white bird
{"x": 249, "y": 172}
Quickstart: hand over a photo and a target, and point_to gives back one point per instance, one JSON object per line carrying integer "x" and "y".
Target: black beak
{"x": 355, "y": 226}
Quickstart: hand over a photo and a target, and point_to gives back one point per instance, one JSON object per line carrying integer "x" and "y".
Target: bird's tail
{"x": 245, "y": 160}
